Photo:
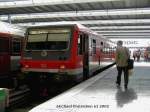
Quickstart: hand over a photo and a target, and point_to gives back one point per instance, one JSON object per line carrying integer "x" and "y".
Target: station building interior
{"x": 126, "y": 20}
{"x": 114, "y": 19}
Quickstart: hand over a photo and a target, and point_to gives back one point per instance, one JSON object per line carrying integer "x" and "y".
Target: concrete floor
{"x": 100, "y": 94}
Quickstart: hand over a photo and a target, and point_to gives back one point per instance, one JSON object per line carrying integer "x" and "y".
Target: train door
{"x": 83, "y": 50}
{"x": 85, "y": 56}
{"x": 15, "y": 54}
{"x": 4, "y": 56}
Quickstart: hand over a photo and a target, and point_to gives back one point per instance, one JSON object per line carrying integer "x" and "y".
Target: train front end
{"x": 49, "y": 53}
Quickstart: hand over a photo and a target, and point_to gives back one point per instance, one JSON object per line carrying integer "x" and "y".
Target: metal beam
{"x": 124, "y": 31}
{"x": 98, "y": 22}
{"x": 119, "y": 27}
{"x": 126, "y": 34}
{"x": 12, "y": 0}
{"x": 47, "y": 2}
{"x": 91, "y": 13}
{"x": 147, "y": 36}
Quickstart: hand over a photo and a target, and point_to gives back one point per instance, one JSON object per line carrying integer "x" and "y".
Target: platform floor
{"x": 100, "y": 94}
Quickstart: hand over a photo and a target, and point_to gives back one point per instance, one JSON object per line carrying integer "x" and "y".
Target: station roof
{"x": 111, "y": 18}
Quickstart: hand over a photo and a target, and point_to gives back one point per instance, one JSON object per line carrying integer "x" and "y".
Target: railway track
{"x": 18, "y": 97}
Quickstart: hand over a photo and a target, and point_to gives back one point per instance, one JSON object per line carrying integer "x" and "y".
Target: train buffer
{"x": 100, "y": 94}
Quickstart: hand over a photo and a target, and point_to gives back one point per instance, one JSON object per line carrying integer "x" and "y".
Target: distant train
{"x": 65, "y": 51}
{"x": 11, "y": 40}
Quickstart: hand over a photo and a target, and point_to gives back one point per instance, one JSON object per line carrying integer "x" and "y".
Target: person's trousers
{"x": 125, "y": 70}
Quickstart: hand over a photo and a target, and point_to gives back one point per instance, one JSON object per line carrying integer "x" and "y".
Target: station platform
{"x": 100, "y": 94}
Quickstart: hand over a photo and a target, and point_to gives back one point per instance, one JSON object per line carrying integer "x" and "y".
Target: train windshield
{"x": 48, "y": 39}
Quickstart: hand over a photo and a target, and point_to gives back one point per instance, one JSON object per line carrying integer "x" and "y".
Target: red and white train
{"x": 11, "y": 39}
{"x": 65, "y": 51}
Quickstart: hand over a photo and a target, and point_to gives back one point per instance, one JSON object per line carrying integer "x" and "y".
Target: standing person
{"x": 138, "y": 54}
{"x": 134, "y": 55}
{"x": 122, "y": 56}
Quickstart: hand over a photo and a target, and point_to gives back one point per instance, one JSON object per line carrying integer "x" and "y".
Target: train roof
{"x": 8, "y": 28}
{"x": 67, "y": 23}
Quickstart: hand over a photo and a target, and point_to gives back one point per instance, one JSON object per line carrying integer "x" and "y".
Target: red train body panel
{"x": 11, "y": 39}
{"x": 65, "y": 50}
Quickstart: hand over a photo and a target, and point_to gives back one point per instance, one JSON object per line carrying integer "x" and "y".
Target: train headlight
{"x": 62, "y": 67}
{"x": 81, "y": 63}
{"x": 26, "y": 66}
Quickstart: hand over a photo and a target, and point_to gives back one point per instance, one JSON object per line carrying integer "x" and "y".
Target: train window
{"x": 101, "y": 43}
{"x": 94, "y": 46}
{"x": 80, "y": 48}
{"x": 58, "y": 41}
{"x": 36, "y": 42}
{"x": 4, "y": 45}
{"x": 59, "y": 37}
{"x": 16, "y": 47}
{"x": 37, "y": 38}
{"x": 105, "y": 50}
{"x": 50, "y": 41}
